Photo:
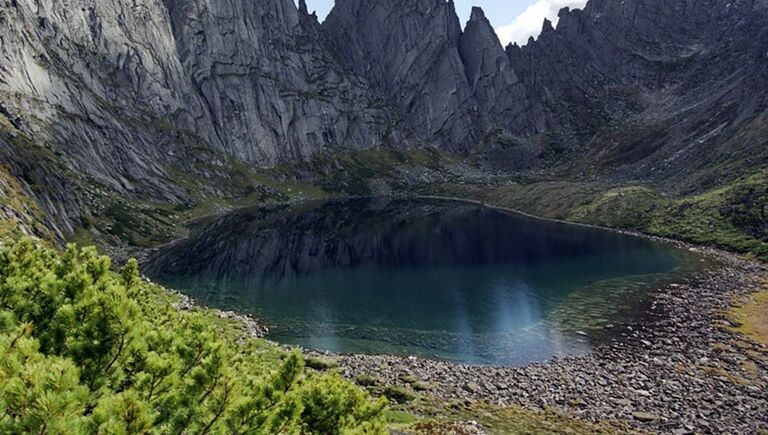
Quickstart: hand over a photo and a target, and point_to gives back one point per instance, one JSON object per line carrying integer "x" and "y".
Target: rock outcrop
{"x": 409, "y": 51}
{"x": 496, "y": 87}
{"x": 271, "y": 90}
{"x": 655, "y": 89}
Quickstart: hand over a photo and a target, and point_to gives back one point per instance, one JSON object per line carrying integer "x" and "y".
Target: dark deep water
{"x": 439, "y": 279}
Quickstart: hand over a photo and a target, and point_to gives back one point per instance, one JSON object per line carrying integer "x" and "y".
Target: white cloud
{"x": 529, "y": 22}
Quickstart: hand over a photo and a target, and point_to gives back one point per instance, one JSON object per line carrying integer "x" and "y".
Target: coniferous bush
{"x": 87, "y": 350}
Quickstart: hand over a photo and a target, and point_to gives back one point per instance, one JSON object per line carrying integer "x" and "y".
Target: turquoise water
{"x": 438, "y": 279}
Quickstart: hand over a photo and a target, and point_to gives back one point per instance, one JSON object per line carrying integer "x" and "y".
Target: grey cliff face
{"x": 656, "y": 89}
{"x": 126, "y": 95}
{"x": 249, "y": 79}
{"x": 612, "y": 66}
{"x": 409, "y": 51}
{"x": 80, "y": 80}
{"x": 271, "y": 90}
{"x": 83, "y": 87}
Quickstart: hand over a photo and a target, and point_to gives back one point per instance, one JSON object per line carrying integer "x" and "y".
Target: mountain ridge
{"x": 173, "y": 101}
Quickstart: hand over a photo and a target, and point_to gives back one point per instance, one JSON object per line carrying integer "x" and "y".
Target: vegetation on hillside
{"x": 16, "y": 208}
{"x": 84, "y": 349}
{"x": 733, "y": 217}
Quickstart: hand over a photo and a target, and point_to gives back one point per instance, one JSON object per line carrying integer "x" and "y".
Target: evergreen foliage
{"x": 87, "y": 350}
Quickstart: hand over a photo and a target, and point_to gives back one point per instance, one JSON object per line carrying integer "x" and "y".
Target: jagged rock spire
{"x": 477, "y": 14}
{"x": 409, "y": 50}
{"x": 547, "y": 27}
{"x": 479, "y": 44}
{"x": 485, "y": 62}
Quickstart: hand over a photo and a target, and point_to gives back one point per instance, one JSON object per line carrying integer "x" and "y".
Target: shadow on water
{"x": 439, "y": 279}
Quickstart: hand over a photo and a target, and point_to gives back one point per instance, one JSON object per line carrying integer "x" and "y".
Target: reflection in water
{"x": 433, "y": 278}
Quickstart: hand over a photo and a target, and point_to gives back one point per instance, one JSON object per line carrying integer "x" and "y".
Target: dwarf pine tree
{"x": 87, "y": 350}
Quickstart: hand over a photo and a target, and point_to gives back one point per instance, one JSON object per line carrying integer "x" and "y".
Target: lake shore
{"x": 682, "y": 370}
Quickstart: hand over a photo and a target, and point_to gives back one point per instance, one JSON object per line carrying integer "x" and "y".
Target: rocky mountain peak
{"x": 477, "y": 14}
{"x": 485, "y": 62}
{"x": 409, "y": 51}
{"x": 547, "y": 27}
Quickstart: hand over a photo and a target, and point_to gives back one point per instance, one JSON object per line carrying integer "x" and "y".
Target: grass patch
{"x": 321, "y": 364}
{"x": 398, "y": 394}
{"x": 732, "y": 217}
{"x": 397, "y": 418}
{"x": 515, "y": 420}
{"x": 367, "y": 380}
{"x": 408, "y": 379}
{"x": 752, "y": 316}
{"x": 434, "y": 417}
{"x": 367, "y": 172}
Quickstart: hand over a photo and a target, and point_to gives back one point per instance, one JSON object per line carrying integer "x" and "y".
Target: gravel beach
{"x": 681, "y": 371}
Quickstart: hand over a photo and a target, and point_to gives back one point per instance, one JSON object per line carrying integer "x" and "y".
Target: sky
{"x": 514, "y": 20}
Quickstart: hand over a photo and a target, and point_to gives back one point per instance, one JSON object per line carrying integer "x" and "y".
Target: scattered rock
{"x": 645, "y": 416}
{"x": 473, "y": 387}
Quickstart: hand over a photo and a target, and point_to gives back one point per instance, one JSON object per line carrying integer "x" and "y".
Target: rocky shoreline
{"x": 250, "y": 326}
{"x": 680, "y": 371}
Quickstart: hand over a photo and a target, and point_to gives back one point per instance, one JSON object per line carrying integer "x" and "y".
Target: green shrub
{"x": 37, "y": 391}
{"x": 423, "y": 386}
{"x": 367, "y": 380}
{"x": 321, "y": 363}
{"x": 87, "y": 350}
{"x": 398, "y": 394}
{"x": 334, "y": 406}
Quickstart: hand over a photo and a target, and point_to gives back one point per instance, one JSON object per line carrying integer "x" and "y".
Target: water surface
{"x": 439, "y": 279}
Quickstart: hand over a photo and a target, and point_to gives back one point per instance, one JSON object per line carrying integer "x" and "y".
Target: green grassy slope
{"x": 733, "y": 217}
